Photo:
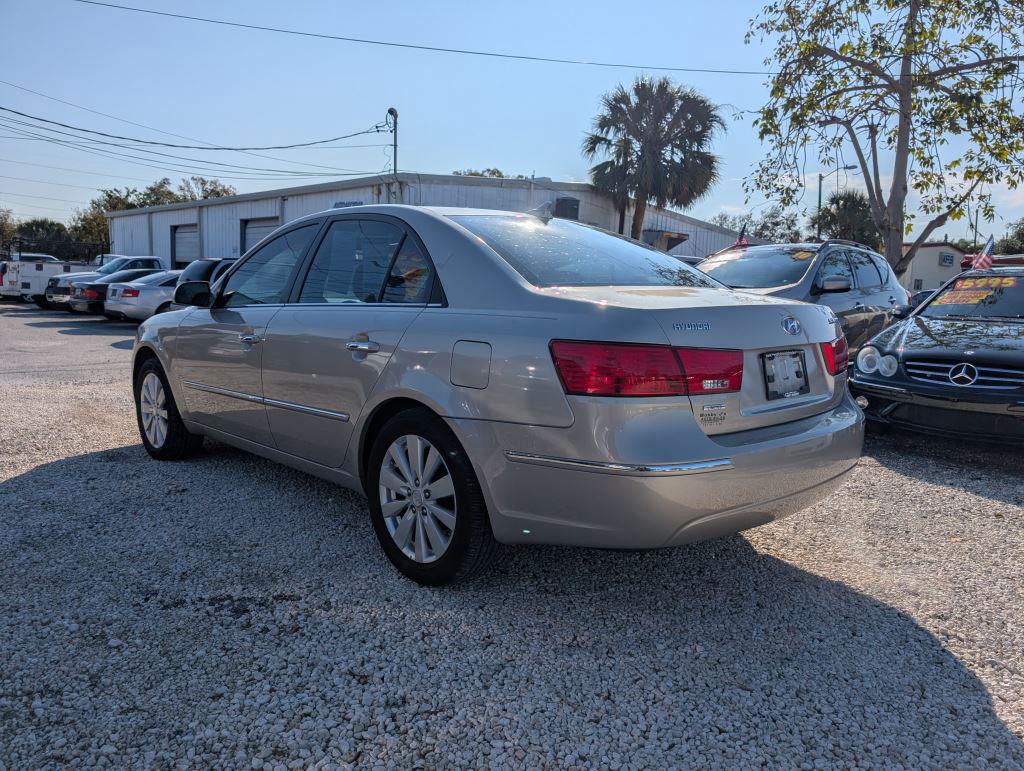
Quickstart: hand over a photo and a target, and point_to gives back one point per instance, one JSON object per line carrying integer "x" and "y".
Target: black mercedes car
{"x": 955, "y": 365}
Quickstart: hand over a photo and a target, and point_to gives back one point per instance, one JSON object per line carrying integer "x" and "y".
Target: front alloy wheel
{"x": 153, "y": 408}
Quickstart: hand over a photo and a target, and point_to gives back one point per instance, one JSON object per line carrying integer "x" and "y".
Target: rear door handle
{"x": 363, "y": 346}
{"x": 250, "y": 339}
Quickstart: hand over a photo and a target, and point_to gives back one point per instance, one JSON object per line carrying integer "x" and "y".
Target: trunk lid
{"x": 787, "y": 332}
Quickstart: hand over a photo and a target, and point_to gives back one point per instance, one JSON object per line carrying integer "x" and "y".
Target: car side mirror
{"x": 831, "y": 285}
{"x": 902, "y": 311}
{"x": 193, "y": 293}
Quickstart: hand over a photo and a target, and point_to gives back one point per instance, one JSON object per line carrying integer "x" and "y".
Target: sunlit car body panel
{"x": 636, "y": 472}
{"x": 141, "y": 298}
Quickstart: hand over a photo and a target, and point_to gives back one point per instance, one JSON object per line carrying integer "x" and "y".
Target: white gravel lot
{"x": 228, "y": 611}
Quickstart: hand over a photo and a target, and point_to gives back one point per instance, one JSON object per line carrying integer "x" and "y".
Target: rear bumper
{"x": 904, "y": 408}
{"x": 57, "y": 298}
{"x": 86, "y": 306}
{"x": 125, "y": 310}
{"x": 541, "y": 495}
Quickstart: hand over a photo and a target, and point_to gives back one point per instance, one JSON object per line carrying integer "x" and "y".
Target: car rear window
{"x": 979, "y": 297}
{"x": 564, "y": 253}
{"x": 759, "y": 267}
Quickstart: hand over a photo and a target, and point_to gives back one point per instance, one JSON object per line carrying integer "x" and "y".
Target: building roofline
{"x": 356, "y": 182}
{"x": 908, "y": 244}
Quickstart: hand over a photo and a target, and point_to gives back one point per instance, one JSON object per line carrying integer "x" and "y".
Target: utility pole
{"x": 821, "y": 179}
{"x": 393, "y": 122}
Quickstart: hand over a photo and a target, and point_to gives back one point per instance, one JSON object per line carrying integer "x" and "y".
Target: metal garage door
{"x": 256, "y": 230}
{"x": 186, "y": 244}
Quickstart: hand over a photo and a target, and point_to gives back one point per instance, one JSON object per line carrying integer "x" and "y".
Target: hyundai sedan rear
{"x": 489, "y": 377}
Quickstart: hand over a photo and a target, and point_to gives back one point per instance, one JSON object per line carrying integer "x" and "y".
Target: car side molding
{"x": 247, "y": 397}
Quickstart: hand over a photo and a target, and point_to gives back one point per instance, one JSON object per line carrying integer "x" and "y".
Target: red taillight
{"x": 910, "y": 297}
{"x": 91, "y": 294}
{"x": 618, "y": 369}
{"x": 711, "y": 371}
{"x": 837, "y": 355}
{"x": 614, "y": 369}
{"x": 129, "y": 292}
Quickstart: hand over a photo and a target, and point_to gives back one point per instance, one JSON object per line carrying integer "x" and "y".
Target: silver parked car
{"x": 141, "y": 298}
{"x": 851, "y": 279}
{"x": 488, "y": 377}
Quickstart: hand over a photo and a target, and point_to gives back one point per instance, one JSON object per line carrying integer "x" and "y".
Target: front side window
{"x": 264, "y": 277}
{"x": 564, "y": 253}
{"x": 834, "y": 265}
{"x": 352, "y": 262}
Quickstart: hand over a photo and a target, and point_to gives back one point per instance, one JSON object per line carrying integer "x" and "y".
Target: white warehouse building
{"x": 225, "y": 227}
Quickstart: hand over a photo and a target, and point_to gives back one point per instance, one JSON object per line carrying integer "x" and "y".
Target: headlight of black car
{"x": 870, "y": 360}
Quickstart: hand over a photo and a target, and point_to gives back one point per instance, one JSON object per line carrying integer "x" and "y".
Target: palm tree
{"x": 656, "y": 137}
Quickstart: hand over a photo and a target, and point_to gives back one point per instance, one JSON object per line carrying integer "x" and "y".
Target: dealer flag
{"x": 983, "y": 259}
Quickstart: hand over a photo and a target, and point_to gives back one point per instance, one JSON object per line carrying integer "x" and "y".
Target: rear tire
{"x": 162, "y": 309}
{"x": 42, "y": 302}
{"x": 437, "y": 530}
{"x": 160, "y": 425}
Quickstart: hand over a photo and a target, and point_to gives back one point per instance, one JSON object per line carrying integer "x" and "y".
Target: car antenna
{"x": 544, "y": 212}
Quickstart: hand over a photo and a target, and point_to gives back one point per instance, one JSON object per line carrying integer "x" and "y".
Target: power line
{"x": 376, "y": 129}
{"x": 65, "y": 168}
{"x": 171, "y": 133}
{"x": 44, "y": 182}
{"x": 45, "y": 198}
{"x": 436, "y": 49}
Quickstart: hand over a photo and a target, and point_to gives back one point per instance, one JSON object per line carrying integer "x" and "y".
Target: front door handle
{"x": 363, "y": 346}
{"x": 250, "y": 339}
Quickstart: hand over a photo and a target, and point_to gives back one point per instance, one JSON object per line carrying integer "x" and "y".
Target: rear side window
{"x": 867, "y": 273}
{"x": 352, "y": 262}
{"x": 564, "y": 253}
{"x": 264, "y": 277}
{"x": 410, "y": 277}
{"x": 199, "y": 270}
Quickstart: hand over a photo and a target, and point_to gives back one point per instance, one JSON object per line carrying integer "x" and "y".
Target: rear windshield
{"x": 199, "y": 270}
{"x": 564, "y": 253}
{"x": 981, "y": 297}
{"x": 154, "y": 278}
{"x": 759, "y": 267}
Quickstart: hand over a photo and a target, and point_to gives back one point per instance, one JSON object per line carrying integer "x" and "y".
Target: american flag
{"x": 741, "y": 239}
{"x": 983, "y": 259}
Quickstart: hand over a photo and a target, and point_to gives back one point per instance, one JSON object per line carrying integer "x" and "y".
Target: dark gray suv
{"x": 849, "y": 278}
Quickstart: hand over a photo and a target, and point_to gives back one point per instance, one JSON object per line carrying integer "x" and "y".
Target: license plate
{"x": 785, "y": 374}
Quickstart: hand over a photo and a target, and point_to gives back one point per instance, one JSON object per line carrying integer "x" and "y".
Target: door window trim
{"x": 845, "y": 255}
{"x": 435, "y": 297}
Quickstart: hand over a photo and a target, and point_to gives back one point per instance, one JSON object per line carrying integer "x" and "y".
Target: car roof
{"x": 996, "y": 270}
{"x": 397, "y": 208}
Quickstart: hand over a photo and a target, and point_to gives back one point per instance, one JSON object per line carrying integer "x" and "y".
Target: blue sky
{"x": 233, "y": 86}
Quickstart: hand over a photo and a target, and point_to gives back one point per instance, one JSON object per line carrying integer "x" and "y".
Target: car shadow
{"x": 87, "y": 325}
{"x": 957, "y": 463}
{"x": 696, "y": 653}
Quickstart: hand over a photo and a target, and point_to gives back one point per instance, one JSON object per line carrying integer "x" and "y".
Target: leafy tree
{"x": 656, "y": 136}
{"x": 42, "y": 229}
{"x": 1013, "y": 241}
{"x": 612, "y": 178}
{"x": 775, "y": 225}
{"x": 900, "y": 83}
{"x": 8, "y": 225}
{"x": 493, "y": 173}
{"x": 847, "y": 215}
{"x": 201, "y": 188}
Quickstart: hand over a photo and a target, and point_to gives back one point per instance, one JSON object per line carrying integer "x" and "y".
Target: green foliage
{"x": 8, "y": 226}
{"x": 655, "y": 137}
{"x": 847, "y": 215}
{"x": 1013, "y": 241}
{"x": 90, "y": 224}
{"x": 42, "y": 229}
{"x": 774, "y": 225}
{"x": 895, "y": 83}
{"x": 492, "y": 173}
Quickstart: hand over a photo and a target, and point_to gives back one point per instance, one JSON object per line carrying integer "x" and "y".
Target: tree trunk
{"x": 639, "y": 210}
{"x": 622, "y": 218}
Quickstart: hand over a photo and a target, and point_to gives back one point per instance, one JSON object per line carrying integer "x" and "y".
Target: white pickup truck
{"x": 25, "y": 275}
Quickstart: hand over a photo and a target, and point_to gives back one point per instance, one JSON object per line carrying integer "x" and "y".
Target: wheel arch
{"x": 373, "y": 423}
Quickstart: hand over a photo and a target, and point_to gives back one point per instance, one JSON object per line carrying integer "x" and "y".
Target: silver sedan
{"x": 486, "y": 377}
{"x": 141, "y": 298}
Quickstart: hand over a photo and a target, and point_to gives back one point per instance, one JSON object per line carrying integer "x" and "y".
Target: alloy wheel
{"x": 153, "y": 407}
{"x": 417, "y": 498}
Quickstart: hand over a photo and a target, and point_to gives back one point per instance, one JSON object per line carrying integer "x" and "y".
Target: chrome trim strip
{"x": 320, "y": 413}
{"x": 634, "y": 469}
{"x": 252, "y": 398}
{"x": 223, "y": 391}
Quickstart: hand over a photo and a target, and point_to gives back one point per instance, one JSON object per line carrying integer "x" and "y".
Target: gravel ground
{"x": 229, "y": 611}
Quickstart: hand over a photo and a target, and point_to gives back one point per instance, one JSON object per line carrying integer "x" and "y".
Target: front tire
{"x": 160, "y": 425}
{"x": 427, "y": 508}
